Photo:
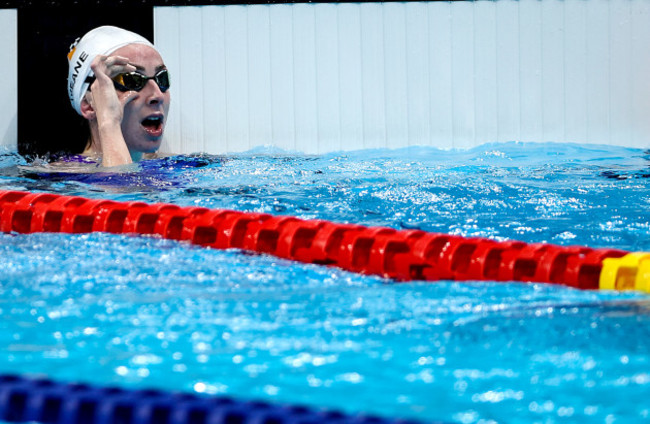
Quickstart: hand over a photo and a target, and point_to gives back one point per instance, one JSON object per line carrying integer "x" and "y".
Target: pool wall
{"x": 9, "y": 80}
{"x": 327, "y": 77}
{"x": 319, "y": 77}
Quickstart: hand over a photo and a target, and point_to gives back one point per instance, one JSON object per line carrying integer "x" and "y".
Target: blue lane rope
{"x": 48, "y": 402}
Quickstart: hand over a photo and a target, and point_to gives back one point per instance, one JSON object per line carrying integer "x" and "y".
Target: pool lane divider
{"x": 45, "y": 401}
{"x": 401, "y": 255}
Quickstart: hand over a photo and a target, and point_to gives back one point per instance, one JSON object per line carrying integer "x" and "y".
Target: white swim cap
{"x": 100, "y": 41}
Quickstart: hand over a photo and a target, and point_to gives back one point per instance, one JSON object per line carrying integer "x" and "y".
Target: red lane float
{"x": 400, "y": 255}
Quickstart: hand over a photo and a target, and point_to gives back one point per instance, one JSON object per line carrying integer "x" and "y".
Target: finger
{"x": 115, "y": 70}
{"x": 101, "y": 65}
{"x": 128, "y": 97}
{"x": 112, "y": 65}
{"x": 116, "y": 65}
{"x": 116, "y": 60}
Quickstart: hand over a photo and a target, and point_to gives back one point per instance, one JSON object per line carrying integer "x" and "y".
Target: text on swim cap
{"x": 75, "y": 73}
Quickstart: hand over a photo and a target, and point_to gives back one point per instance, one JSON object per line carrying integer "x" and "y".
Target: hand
{"x": 108, "y": 106}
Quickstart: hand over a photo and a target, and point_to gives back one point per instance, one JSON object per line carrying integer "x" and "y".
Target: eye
{"x": 133, "y": 80}
{"x": 162, "y": 79}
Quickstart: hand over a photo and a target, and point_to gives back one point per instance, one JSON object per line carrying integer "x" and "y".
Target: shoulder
{"x": 68, "y": 164}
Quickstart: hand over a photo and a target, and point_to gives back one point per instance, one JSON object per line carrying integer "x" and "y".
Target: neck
{"x": 92, "y": 149}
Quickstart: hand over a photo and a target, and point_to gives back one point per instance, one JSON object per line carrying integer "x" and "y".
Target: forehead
{"x": 141, "y": 55}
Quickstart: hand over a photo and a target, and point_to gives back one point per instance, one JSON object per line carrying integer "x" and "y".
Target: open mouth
{"x": 153, "y": 125}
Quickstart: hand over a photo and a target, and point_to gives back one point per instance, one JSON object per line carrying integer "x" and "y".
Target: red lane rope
{"x": 399, "y": 255}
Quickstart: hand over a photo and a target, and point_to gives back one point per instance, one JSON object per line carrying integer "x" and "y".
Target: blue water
{"x": 145, "y": 312}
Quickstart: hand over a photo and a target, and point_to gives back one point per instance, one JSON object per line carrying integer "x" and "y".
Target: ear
{"x": 87, "y": 110}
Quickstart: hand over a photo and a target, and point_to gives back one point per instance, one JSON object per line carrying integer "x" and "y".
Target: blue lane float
{"x": 49, "y": 402}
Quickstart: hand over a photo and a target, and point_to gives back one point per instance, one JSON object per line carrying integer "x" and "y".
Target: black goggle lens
{"x": 135, "y": 81}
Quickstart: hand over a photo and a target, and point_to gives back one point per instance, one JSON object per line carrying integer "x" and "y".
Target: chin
{"x": 148, "y": 146}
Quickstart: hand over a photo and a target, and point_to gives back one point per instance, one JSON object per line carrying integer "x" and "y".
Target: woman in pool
{"x": 118, "y": 81}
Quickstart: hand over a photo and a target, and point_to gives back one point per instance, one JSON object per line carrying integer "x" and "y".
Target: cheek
{"x": 128, "y": 99}
{"x": 130, "y": 119}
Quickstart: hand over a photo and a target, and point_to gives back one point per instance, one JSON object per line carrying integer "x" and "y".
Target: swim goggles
{"x": 135, "y": 81}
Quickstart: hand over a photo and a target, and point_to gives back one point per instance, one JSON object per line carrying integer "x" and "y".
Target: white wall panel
{"x": 259, "y": 77}
{"x": 237, "y": 77}
{"x": 552, "y": 71}
{"x": 597, "y": 72}
{"x": 530, "y": 66}
{"x": 9, "y": 80}
{"x": 282, "y": 88}
{"x": 168, "y": 45}
{"x": 305, "y": 77}
{"x": 620, "y": 59}
{"x": 350, "y": 77}
{"x": 462, "y": 71}
{"x": 640, "y": 70}
{"x": 485, "y": 74}
{"x": 323, "y": 77}
{"x": 191, "y": 90}
{"x": 328, "y": 78}
{"x": 440, "y": 77}
{"x": 213, "y": 91}
{"x": 575, "y": 71}
{"x": 508, "y": 71}
{"x": 417, "y": 73}
{"x": 395, "y": 83}
{"x": 373, "y": 93}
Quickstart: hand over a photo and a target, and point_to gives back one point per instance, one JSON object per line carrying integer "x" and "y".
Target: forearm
{"x": 113, "y": 146}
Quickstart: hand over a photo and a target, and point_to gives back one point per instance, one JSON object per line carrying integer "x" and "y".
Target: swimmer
{"x": 118, "y": 82}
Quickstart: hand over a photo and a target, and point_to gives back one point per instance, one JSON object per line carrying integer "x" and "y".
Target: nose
{"x": 154, "y": 94}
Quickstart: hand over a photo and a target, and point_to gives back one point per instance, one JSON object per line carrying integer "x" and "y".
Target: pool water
{"x": 145, "y": 312}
